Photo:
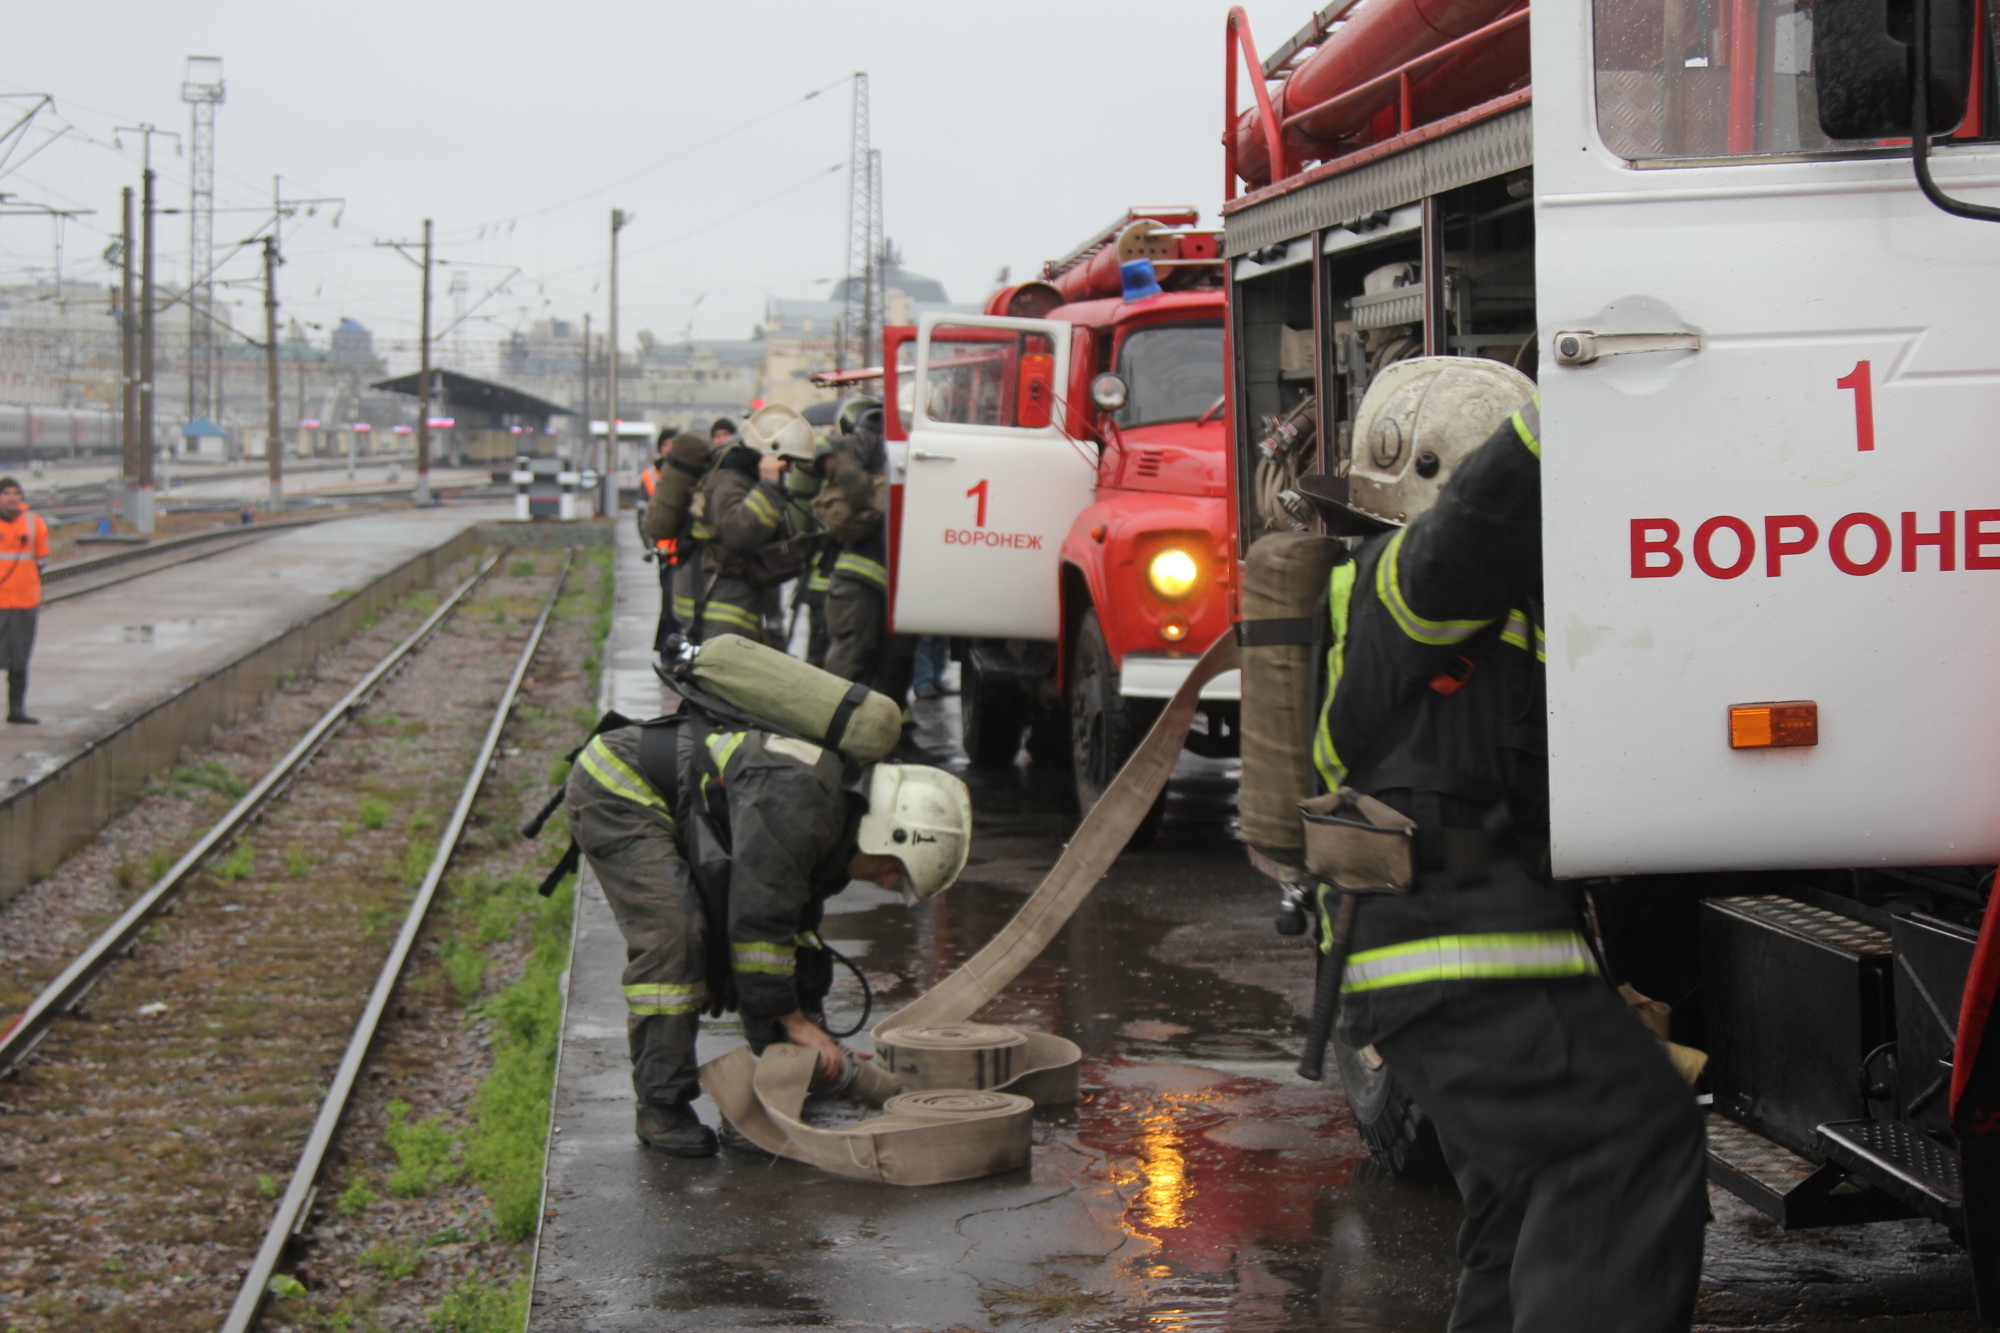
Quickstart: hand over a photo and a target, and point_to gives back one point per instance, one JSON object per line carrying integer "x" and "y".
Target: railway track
{"x": 269, "y": 977}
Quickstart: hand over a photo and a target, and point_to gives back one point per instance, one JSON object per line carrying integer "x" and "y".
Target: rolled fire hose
{"x": 968, "y": 1089}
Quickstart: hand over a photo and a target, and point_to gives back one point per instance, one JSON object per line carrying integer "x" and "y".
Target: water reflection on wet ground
{"x": 1197, "y": 1184}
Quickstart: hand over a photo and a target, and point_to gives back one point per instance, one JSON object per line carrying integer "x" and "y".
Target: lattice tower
{"x": 202, "y": 90}
{"x": 861, "y": 312}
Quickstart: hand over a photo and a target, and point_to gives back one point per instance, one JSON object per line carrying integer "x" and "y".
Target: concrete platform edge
{"x": 50, "y": 818}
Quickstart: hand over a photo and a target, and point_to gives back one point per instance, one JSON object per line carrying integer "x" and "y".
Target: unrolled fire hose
{"x": 957, "y": 1096}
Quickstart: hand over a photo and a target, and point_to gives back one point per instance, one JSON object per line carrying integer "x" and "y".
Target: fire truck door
{"x": 992, "y": 483}
{"x": 1769, "y": 379}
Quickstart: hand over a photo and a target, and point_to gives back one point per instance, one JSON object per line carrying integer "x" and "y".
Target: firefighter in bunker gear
{"x": 753, "y": 535}
{"x": 1576, "y": 1146}
{"x": 662, "y": 550}
{"x": 859, "y": 645}
{"x": 717, "y": 850}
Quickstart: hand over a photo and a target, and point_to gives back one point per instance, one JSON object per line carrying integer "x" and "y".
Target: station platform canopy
{"x": 464, "y": 393}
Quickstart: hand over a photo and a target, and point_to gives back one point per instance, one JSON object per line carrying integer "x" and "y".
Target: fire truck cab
{"x": 1770, "y": 370}
{"x": 1060, "y": 495}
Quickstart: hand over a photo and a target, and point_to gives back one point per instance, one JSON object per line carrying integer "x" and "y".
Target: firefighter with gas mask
{"x": 753, "y": 533}
{"x": 717, "y": 848}
{"x": 1576, "y": 1145}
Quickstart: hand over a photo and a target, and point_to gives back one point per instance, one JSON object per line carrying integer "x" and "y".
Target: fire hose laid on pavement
{"x": 957, "y": 1096}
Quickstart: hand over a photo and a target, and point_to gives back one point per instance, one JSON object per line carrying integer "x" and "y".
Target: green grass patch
{"x": 393, "y": 1259}
{"x": 267, "y": 1187}
{"x": 355, "y": 1198}
{"x": 417, "y": 858}
{"x": 372, "y": 813}
{"x": 426, "y": 1153}
{"x": 506, "y": 1148}
{"x": 298, "y": 861}
{"x": 237, "y": 865}
{"x": 478, "y": 1306}
{"x": 340, "y": 593}
{"x": 185, "y": 782}
{"x": 466, "y": 966}
{"x": 521, "y": 569}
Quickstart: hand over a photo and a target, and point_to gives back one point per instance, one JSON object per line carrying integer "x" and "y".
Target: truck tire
{"x": 1104, "y": 725}
{"x": 1048, "y": 737}
{"x": 1398, "y": 1133}
{"x": 991, "y": 716}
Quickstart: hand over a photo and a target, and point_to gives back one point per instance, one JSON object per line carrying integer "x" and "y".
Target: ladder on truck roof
{"x": 1170, "y": 215}
{"x": 1286, "y": 58}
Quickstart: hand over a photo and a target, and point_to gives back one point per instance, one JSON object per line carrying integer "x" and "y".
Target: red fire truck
{"x": 1763, "y": 329}
{"x": 1060, "y": 490}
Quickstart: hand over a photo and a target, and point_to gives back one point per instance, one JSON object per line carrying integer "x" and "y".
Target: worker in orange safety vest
{"x": 24, "y": 545}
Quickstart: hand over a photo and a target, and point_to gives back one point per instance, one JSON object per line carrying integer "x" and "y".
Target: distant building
{"x": 799, "y": 336}
{"x": 354, "y": 347}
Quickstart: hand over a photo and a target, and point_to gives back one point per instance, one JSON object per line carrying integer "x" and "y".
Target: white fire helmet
{"x": 922, "y": 816}
{"x": 1419, "y": 418}
{"x": 778, "y": 429}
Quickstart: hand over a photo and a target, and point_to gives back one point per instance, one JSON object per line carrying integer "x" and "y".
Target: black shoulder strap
{"x": 836, "y": 730}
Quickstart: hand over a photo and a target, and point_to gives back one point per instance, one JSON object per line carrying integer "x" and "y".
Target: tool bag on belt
{"x": 1283, "y": 636}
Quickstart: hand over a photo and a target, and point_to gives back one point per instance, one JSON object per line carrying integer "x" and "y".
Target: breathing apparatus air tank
{"x": 1284, "y": 610}
{"x": 796, "y": 696}
{"x": 680, "y": 471}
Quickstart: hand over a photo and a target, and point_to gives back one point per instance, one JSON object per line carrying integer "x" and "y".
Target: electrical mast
{"x": 202, "y": 90}
{"x": 862, "y": 312}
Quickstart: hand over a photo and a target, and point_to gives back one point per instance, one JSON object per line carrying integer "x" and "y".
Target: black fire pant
{"x": 859, "y": 645}
{"x": 670, "y": 623}
{"x": 1578, "y": 1150}
{"x": 17, "y": 645}
{"x": 728, "y": 605}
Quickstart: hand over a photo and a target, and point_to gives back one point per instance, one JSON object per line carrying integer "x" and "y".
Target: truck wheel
{"x": 1104, "y": 725}
{"x": 991, "y": 716}
{"x": 1048, "y": 737}
{"x": 1398, "y": 1133}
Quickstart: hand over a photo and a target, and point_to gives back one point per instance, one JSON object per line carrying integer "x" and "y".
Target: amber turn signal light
{"x": 1174, "y": 631}
{"x": 1773, "y": 726}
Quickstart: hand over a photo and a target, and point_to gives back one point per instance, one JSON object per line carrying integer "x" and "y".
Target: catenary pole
{"x": 142, "y": 508}
{"x": 128, "y": 359}
{"x": 274, "y": 444}
{"x": 424, "y": 382}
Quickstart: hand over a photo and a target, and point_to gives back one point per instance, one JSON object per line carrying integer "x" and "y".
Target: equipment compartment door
{"x": 1770, "y": 377}
{"x": 992, "y": 484}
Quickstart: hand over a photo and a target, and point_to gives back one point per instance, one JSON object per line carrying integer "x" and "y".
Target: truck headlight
{"x": 1172, "y": 573}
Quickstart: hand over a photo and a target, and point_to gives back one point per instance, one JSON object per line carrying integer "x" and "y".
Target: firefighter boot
{"x": 675, "y": 1130}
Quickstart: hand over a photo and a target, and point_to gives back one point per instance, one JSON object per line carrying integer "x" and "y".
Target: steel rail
{"x": 79, "y": 584}
{"x": 294, "y": 1207}
{"x": 60, "y": 995}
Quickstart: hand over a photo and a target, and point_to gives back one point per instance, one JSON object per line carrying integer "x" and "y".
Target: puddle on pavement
{"x": 1196, "y": 1184}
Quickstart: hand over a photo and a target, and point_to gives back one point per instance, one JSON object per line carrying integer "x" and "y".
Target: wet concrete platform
{"x": 104, "y": 656}
{"x": 1198, "y": 1183}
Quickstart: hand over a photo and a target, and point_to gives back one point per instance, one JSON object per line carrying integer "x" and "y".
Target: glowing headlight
{"x": 1172, "y": 573}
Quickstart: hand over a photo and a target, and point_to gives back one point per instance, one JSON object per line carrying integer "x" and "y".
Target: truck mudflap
{"x": 1975, "y": 1115}
{"x": 1157, "y": 676}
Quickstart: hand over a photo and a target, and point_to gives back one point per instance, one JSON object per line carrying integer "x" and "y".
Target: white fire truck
{"x": 1770, "y": 381}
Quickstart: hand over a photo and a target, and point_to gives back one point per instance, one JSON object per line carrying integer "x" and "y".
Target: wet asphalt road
{"x": 1198, "y": 1184}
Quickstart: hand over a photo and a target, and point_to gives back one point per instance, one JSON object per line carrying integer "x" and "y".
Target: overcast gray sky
{"x": 1009, "y": 131}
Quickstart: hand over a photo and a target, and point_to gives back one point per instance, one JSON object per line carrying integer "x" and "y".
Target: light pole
{"x": 607, "y": 501}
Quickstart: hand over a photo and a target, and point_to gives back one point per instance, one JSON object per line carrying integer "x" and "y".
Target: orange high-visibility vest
{"x": 24, "y": 543}
{"x": 649, "y": 479}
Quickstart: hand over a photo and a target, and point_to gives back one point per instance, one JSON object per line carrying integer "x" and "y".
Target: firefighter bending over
{"x": 717, "y": 850}
{"x": 1576, "y": 1146}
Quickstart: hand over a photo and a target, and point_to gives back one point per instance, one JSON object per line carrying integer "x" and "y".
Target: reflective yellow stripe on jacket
{"x": 1516, "y": 630}
{"x": 620, "y": 778}
{"x": 1528, "y": 425}
{"x": 762, "y": 508}
{"x": 1339, "y": 597}
{"x": 1500, "y": 957}
{"x": 1389, "y": 588}
{"x": 728, "y": 613}
{"x": 775, "y": 959}
{"x": 861, "y": 567}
